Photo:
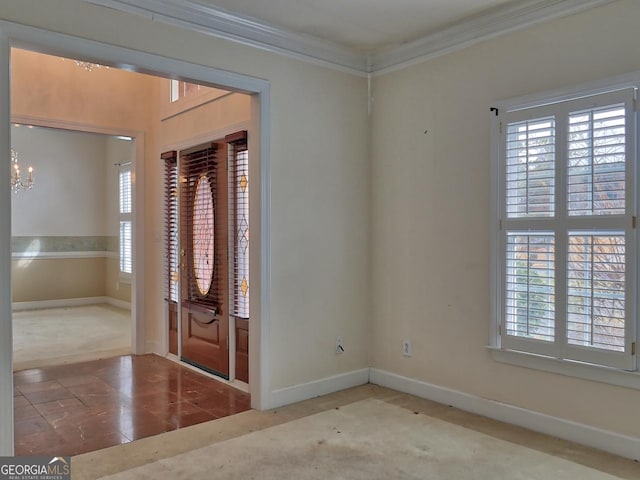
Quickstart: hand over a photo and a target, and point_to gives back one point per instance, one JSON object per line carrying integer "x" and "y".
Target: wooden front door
{"x": 204, "y": 292}
{"x": 207, "y": 280}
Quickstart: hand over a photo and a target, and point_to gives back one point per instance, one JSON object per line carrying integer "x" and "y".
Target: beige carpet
{"x": 368, "y": 439}
{"x": 57, "y": 336}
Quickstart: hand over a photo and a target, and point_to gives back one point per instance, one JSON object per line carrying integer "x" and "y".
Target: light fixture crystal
{"x": 87, "y": 66}
{"x": 17, "y": 184}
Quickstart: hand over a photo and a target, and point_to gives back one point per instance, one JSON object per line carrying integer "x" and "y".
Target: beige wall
{"x": 49, "y": 87}
{"x": 320, "y": 184}
{"x": 114, "y": 287}
{"x": 431, "y": 209}
{"x": 54, "y": 279}
{"x": 223, "y": 115}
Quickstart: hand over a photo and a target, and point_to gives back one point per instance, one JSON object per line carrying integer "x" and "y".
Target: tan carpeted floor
{"x": 57, "y": 336}
{"x": 365, "y": 440}
{"x": 383, "y": 434}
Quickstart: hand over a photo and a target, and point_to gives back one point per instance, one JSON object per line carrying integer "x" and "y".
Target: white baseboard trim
{"x": 611, "y": 442}
{"x": 57, "y": 303}
{"x": 153, "y": 347}
{"x": 305, "y": 391}
{"x": 114, "y": 302}
{"x": 68, "y": 302}
{"x": 62, "y": 255}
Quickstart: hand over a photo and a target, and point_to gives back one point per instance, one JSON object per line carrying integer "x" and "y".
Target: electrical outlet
{"x": 406, "y": 348}
{"x": 339, "y": 345}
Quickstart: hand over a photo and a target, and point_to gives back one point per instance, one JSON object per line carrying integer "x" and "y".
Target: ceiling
{"x": 364, "y": 25}
{"x": 358, "y": 36}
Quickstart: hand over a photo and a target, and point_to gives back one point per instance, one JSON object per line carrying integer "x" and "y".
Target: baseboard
{"x": 153, "y": 347}
{"x": 114, "y": 302}
{"x": 57, "y": 303}
{"x": 611, "y": 442}
{"x": 305, "y": 391}
{"x": 69, "y": 302}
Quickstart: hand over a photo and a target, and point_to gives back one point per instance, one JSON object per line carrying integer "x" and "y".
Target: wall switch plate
{"x": 339, "y": 345}
{"x": 406, "y": 348}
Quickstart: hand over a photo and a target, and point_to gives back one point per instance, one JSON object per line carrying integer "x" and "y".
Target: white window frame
{"x": 125, "y": 217}
{"x": 170, "y": 108}
{"x": 557, "y": 358}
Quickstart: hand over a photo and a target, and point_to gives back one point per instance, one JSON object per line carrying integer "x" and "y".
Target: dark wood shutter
{"x": 238, "y": 162}
{"x": 171, "y": 244}
{"x": 196, "y": 164}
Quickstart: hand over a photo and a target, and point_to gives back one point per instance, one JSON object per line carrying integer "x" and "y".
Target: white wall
{"x": 431, "y": 209}
{"x": 69, "y": 197}
{"x": 320, "y": 186}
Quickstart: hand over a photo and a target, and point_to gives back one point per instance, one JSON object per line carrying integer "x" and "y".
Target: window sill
{"x": 569, "y": 368}
{"x": 125, "y": 278}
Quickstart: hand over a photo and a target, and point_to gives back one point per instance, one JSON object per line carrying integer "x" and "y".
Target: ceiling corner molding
{"x": 204, "y": 18}
{"x": 480, "y": 28}
{"x": 219, "y": 23}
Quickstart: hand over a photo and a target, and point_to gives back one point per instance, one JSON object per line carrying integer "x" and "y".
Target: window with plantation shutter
{"x": 126, "y": 225}
{"x": 566, "y": 230}
{"x": 239, "y": 221}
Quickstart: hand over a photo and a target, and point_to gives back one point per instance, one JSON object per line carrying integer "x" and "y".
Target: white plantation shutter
{"x": 530, "y": 291}
{"x": 531, "y": 168}
{"x": 126, "y": 226}
{"x": 125, "y": 191}
{"x": 596, "y": 291}
{"x": 567, "y": 235}
{"x": 597, "y": 161}
{"x": 126, "y": 253}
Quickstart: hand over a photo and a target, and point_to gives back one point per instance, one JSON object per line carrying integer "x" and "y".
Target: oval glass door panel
{"x": 203, "y": 235}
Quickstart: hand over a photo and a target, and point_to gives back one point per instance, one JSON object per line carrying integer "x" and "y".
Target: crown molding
{"x": 489, "y": 25}
{"x": 220, "y": 23}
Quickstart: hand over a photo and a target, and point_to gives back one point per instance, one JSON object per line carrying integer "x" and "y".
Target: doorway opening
{"x": 147, "y": 298}
{"x": 207, "y": 277}
{"x": 99, "y": 203}
{"x": 72, "y": 253}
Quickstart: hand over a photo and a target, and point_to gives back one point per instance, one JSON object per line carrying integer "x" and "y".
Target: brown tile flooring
{"x": 73, "y": 409}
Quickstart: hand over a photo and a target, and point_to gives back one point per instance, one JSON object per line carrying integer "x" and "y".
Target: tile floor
{"x": 73, "y": 409}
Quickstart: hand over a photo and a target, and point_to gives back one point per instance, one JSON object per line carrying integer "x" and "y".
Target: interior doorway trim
{"x": 44, "y": 41}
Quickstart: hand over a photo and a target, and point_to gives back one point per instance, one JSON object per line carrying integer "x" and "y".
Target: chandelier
{"x": 87, "y": 66}
{"x": 16, "y": 180}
